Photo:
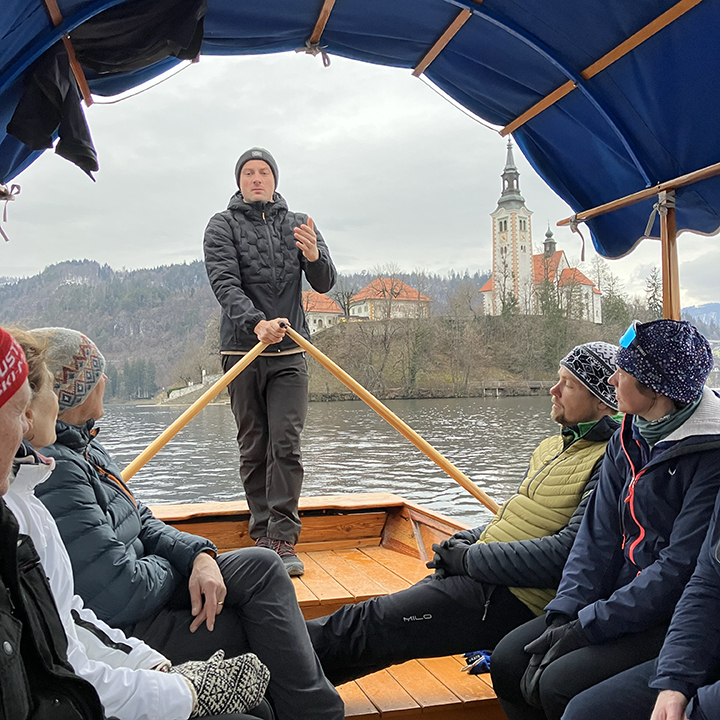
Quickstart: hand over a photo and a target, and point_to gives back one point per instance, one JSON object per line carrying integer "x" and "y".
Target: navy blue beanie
{"x": 256, "y": 153}
{"x": 673, "y": 359}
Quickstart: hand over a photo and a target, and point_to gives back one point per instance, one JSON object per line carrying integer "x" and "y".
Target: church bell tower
{"x": 512, "y": 243}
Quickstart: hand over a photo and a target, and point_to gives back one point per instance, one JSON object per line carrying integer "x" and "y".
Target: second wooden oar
{"x": 156, "y": 445}
{"x": 395, "y": 421}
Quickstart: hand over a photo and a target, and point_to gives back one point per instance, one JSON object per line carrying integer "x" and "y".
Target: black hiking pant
{"x": 260, "y": 615}
{"x": 269, "y": 400}
{"x": 570, "y": 674}
{"x": 430, "y": 619}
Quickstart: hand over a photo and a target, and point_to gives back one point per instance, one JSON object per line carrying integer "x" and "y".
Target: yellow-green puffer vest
{"x": 527, "y": 543}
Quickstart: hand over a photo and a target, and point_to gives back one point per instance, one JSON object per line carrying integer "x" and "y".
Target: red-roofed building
{"x": 387, "y": 298}
{"x": 321, "y": 311}
{"x": 518, "y": 273}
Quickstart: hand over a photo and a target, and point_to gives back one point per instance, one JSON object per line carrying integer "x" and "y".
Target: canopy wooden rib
{"x": 604, "y": 62}
{"x": 57, "y": 18}
{"x": 322, "y": 21}
{"x": 462, "y": 17}
{"x": 668, "y": 230}
{"x": 395, "y": 421}
{"x": 164, "y": 438}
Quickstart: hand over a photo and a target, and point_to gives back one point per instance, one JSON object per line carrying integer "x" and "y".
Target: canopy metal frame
{"x": 668, "y": 228}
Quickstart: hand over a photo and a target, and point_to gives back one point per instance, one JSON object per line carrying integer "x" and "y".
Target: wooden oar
{"x": 156, "y": 445}
{"x": 395, "y": 421}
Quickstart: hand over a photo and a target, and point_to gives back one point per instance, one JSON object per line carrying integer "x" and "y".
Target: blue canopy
{"x": 649, "y": 116}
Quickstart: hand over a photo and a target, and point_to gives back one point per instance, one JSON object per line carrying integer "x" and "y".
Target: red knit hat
{"x": 13, "y": 366}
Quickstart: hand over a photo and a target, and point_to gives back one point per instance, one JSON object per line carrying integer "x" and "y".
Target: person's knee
{"x": 253, "y": 568}
{"x": 506, "y": 668}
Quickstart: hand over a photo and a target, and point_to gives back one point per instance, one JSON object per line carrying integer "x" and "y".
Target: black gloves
{"x": 469, "y": 537}
{"x": 225, "y": 686}
{"x": 449, "y": 558}
{"x": 563, "y": 636}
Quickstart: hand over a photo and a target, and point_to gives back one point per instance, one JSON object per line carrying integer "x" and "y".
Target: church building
{"x": 526, "y": 280}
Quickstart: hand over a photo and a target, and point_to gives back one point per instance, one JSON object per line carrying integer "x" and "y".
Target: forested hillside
{"x": 143, "y": 320}
{"x": 157, "y": 327}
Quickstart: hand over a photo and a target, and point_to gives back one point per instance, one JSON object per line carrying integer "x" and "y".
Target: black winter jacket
{"x": 255, "y": 270}
{"x": 36, "y": 679}
{"x": 126, "y": 563}
{"x": 536, "y": 563}
{"x": 692, "y": 647}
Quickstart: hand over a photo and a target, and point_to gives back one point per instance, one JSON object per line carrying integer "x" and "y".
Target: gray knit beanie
{"x": 592, "y": 364}
{"x": 75, "y": 362}
{"x": 256, "y": 153}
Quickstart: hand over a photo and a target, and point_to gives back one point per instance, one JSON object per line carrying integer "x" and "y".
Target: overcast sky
{"x": 390, "y": 171}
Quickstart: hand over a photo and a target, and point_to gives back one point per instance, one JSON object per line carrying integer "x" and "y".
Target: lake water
{"x": 347, "y": 448}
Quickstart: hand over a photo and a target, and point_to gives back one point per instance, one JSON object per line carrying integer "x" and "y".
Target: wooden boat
{"x": 561, "y": 110}
{"x": 356, "y": 547}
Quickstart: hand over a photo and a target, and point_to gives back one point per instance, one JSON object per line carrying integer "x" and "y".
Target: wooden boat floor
{"x": 432, "y": 687}
{"x": 356, "y": 547}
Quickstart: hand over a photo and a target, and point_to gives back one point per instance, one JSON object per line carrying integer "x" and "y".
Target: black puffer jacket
{"x": 36, "y": 679}
{"x": 255, "y": 270}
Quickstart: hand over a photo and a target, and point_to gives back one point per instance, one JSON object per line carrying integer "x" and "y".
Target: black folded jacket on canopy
{"x": 124, "y": 38}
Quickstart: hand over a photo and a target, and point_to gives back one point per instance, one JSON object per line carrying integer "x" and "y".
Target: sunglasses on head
{"x": 629, "y": 339}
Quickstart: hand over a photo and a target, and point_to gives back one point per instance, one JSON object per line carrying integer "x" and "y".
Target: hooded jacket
{"x": 255, "y": 270}
{"x": 527, "y": 543}
{"x": 126, "y": 564}
{"x": 640, "y": 538}
{"x": 118, "y": 667}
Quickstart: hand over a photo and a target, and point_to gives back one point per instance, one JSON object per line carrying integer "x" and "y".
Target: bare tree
{"x": 654, "y": 294}
{"x": 343, "y": 292}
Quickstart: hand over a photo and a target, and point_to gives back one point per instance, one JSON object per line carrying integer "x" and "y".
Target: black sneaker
{"x": 293, "y": 564}
{"x": 266, "y": 542}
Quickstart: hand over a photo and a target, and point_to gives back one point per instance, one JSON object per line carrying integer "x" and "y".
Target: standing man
{"x": 255, "y": 254}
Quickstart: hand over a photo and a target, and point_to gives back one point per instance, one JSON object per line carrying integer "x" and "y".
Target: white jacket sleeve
{"x": 117, "y": 667}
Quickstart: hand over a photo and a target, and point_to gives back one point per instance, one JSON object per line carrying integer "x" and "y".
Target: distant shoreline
{"x": 529, "y": 388}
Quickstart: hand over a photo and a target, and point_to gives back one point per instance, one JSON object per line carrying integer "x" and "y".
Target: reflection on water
{"x": 347, "y": 448}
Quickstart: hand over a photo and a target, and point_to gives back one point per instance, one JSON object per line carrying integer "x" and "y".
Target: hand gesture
{"x": 224, "y": 686}
{"x": 306, "y": 240}
{"x": 207, "y": 591}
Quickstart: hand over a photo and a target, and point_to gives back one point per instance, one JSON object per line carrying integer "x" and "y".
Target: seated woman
{"x": 640, "y": 538}
{"x": 154, "y": 582}
{"x": 133, "y": 681}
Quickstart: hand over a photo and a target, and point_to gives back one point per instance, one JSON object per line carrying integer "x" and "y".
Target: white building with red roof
{"x": 321, "y": 311}
{"x": 521, "y": 276}
{"x": 388, "y": 298}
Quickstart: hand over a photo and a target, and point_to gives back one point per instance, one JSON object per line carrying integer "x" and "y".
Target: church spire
{"x": 550, "y": 244}
{"x": 511, "y": 179}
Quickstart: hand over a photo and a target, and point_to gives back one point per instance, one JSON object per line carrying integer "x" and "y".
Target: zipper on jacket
{"x": 272, "y": 264}
{"x": 630, "y": 499}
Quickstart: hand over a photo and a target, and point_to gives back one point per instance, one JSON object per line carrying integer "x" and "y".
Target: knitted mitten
{"x": 225, "y": 686}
